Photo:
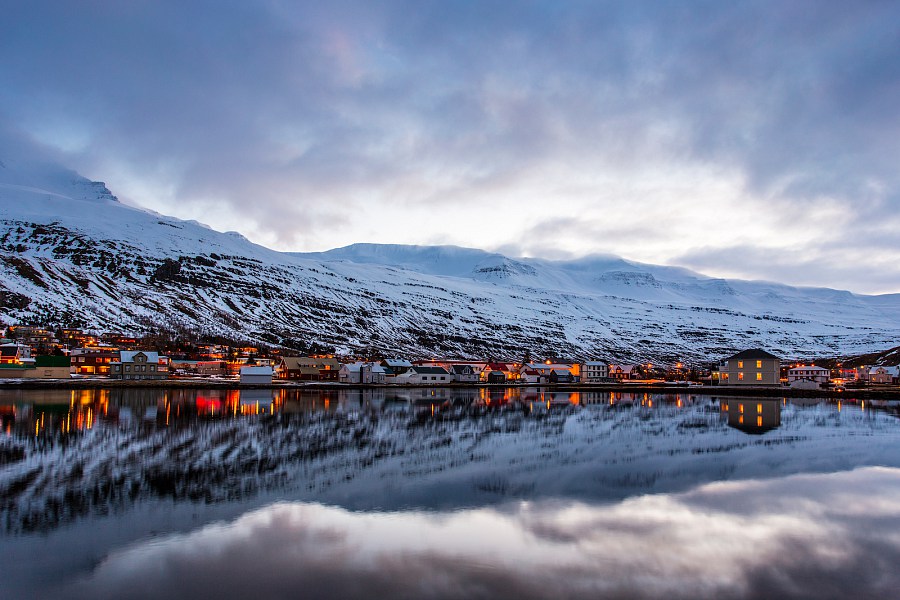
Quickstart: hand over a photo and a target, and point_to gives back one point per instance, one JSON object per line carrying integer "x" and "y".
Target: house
{"x": 257, "y": 375}
{"x": 41, "y": 367}
{"x": 623, "y": 372}
{"x": 396, "y": 366}
{"x": 301, "y": 368}
{"x": 561, "y": 376}
{"x": 882, "y": 374}
{"x": 811, "y": 376}
{"x": 138, "y": 365}
{"x": 544, "y": 371}
{"x": 496, "y": 373}
{"x": 464, "y": 373}
{"x": 361, "y": 372}
{"x": 15, "y": 354}
{"x": 594, "y": 371}
{"x": 93, "y": 360}
{"x": 751, "y": 367}
{"x": 529, "y": 374}
{"x": 425, "y": 376}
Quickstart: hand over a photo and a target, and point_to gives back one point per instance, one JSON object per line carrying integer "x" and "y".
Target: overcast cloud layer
{"x": 753, "y": 140}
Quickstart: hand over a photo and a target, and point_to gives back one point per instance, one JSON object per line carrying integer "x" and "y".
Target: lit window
{"x": 741, "y": 408}
{"x": 759, "y": 376}
{"x": 740, "y": 376}
{"x": 759, "y": 421}
{"x": 759, "y": 364}
{"x": 740, "y": 364}
{"x": 759, "y": 409}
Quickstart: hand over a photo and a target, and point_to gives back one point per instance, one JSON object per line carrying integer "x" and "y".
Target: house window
{"x": 759, "y": 376}
{"x": 759, "y": 364}
{"x": 128, "y": 367}
{"x": 741, "y": 408}
{"x": 740, "y": 376}
{"x": 740, "y": 364}
{"x": 759, "y": 421}
{"x": 759, "y": 409}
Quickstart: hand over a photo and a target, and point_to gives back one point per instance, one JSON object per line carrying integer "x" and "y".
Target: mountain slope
{"x": 71, "y": 254}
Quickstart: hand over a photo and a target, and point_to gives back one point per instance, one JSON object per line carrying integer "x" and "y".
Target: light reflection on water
{"x": 444, "y": 493}
{"x": 65, "y": 411}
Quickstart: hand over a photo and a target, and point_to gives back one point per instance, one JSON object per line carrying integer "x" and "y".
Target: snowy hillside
{"x": 72, "y": 254}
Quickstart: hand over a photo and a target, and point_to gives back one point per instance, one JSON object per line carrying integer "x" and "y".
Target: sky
{"x": 756, "y": 140}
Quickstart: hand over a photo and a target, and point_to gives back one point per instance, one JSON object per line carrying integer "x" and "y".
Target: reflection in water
{"x": 804, "y": 536}
{"x": 443, "y": 493}
{"x": 753, "y": 415}
{"x": 62, "y": 412}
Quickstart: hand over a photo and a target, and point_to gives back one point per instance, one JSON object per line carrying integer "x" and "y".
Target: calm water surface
{"x": 501, "y": 493}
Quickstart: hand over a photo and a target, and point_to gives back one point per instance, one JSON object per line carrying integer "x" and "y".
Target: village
{"x": 31, "y": 352}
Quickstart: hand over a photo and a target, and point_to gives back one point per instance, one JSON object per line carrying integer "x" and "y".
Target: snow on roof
{"x": 431, "y": 370}
{"x": 355, "y": 367}
{"x": 397, "y": 362}
{"x": 753, "y": 354}
{"x": 127, "y": 356}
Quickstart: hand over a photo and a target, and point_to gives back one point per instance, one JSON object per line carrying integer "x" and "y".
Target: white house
{"x": 813, "y": 374}
{"x": 425, "y": 376}
{"x": 361, "y": 372}
{"x": 594, "y": 371}
{"x": 543, "y": 372}
{"x": 258, "y": 375}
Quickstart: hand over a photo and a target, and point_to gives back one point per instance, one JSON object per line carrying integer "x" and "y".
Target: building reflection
{"x": 752, "y": 415}
{"x": 62, "y": 412}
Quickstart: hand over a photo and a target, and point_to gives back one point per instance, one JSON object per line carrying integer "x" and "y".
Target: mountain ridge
{"x": 72, "y": 254}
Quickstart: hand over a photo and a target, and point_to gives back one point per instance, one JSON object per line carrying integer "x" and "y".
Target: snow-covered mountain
{"x": 72, "y": 254}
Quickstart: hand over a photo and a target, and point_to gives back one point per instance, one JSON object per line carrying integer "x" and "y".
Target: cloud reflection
{"x": 803, "y": 536}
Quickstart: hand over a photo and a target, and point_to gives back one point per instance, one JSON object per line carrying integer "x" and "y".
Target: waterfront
{"x": 501, "y": 492}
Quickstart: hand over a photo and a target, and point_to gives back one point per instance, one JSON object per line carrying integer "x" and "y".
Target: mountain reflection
{"x": 495, "y": 492}
{"x": 816, "y": 536}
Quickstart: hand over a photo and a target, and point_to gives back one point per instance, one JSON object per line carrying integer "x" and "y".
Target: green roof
{"x": 52, "y": 361}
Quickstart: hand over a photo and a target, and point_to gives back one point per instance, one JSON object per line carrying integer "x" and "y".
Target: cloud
{"x": 313, "y": 126}
{"x": 805, "y": 536}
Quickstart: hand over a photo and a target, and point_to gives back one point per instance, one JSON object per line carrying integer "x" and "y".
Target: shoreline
{"x": 886, "y": 393}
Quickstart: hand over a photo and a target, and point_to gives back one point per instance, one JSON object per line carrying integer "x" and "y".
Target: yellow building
{"x": 751, "y": 367}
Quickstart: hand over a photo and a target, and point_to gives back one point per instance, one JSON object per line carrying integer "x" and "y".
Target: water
{"x": 445, "y": 493}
